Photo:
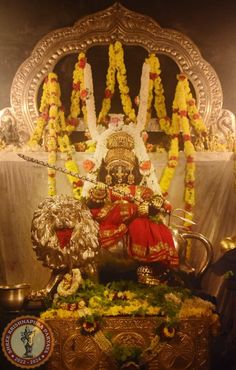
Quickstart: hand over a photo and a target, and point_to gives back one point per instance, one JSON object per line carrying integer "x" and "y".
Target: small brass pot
{"x": 13, "y": 297}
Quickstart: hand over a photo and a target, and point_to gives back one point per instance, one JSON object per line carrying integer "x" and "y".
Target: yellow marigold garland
{"x": 193, "y": 114}
{"x": 55, "y": 134}
{"x": 41, "y": 122}
{"x": 116, "y": 65}
{"x": 53, "y": 126}
{"x": 78, "y": 94}
{"x": 189, "y": 195}
{"x": 155, "y": 84}
{"x": 173, "y": 155}
{"x": 122, "y": 82}
{"x": 110, "y": 86}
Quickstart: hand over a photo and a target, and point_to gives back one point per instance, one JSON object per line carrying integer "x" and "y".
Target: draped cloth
{"x": 23, "y": 185}
{"x": 148, "y": 241}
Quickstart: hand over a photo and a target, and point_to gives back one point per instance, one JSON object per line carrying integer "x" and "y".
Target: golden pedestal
{"x": 189, "y": 349}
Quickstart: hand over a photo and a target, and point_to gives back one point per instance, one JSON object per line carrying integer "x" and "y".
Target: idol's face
{"x": 120, "y": 174}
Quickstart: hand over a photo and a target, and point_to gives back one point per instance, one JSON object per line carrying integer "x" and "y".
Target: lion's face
{"x": 63, "y": 233}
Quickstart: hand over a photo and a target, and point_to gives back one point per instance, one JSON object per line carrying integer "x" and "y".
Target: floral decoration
{"x": 156, "y": 86}
{"x": 78, "y": 95}
{"x": 116, "y": 69}
{"x": 51, "y": 129}
{"x": 92, "y": 302}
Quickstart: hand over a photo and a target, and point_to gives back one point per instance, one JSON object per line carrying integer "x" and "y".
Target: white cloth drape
{"x": 23, "y": 185}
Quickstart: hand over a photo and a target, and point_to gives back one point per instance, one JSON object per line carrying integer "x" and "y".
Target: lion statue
{"x": 64, "y": 235}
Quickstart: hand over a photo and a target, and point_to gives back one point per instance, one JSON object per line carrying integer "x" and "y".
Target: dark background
{"x": 211, "y": 25}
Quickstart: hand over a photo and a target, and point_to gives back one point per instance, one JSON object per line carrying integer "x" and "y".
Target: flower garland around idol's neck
{"x": 116, "y": 65}
{"x": 155, "y": 84}
{"x": 78, "y": 95}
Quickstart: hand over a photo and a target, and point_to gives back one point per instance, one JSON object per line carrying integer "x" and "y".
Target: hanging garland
{"x": 78, "y": 95}
{"x": 122, "y": 82}
{"x": 110, "y": 87}
{"x": 51, "y": 127}
{"x": 116, "y": 68}
{"x": 156, "y": 86}
{"x": 173, "y": 154}
{"x": 41, "y": 122}
{"x": 195, "y": 118}
{"x": 189, "y": 195}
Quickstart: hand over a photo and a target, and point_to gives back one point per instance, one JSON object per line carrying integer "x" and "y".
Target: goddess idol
{"x": 130, "y": 209}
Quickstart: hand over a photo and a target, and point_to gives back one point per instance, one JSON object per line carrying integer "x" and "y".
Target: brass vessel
{"x": 13, "y": 297}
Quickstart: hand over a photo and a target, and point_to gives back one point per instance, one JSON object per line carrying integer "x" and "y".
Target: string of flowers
{"x": 78, "y": 95}
{"x": 122, "y": 82}
{"x": 51, "y": 127}
{"x": 41, "y": 122}
{"x": 194, "y": 116}
{"x": 189, "y": 195}
{"x": 116, "y": 69}
{"x": 173, "y": 154}
{"x": 110, "y": 86}
{"x": 156, "y": 86}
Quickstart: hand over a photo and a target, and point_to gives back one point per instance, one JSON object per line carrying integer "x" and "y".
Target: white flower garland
{"x": 143, "y": 97}
{"x": 90, "y": 103}
{"x": 70, "y": 283}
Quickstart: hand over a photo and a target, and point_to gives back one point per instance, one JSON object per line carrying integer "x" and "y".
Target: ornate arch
{"x": 131, "y": 28}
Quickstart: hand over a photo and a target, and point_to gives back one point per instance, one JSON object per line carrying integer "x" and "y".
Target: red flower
{"x": 88, "y": 165}
{"x": 175, "y": 136}
{"x": 191, "y": 102}
{"x": 186, "y": 137}
{"x": 76, "y": 86}
{"x": 108, "y": 94}
{"x": 153, "y": 76}
{"x": 77, "y": 184}
{"x": 181, "y": 77}
{"x": 145, "y": 165}
{"x": 73, "y": 121}
{"x": 82, "y": 63}
{"x": 183, "y": 113}
{"x": 190, "y": 184}
{"x": 83, "y": 94}
{"x": 45, "y": 115}
{"x": 196, "y": 116}
{"x": 190, "y": 159}
{"x": 188, "y": 207}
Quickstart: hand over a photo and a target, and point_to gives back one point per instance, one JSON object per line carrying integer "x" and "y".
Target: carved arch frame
{"x": 131, "y": 28}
